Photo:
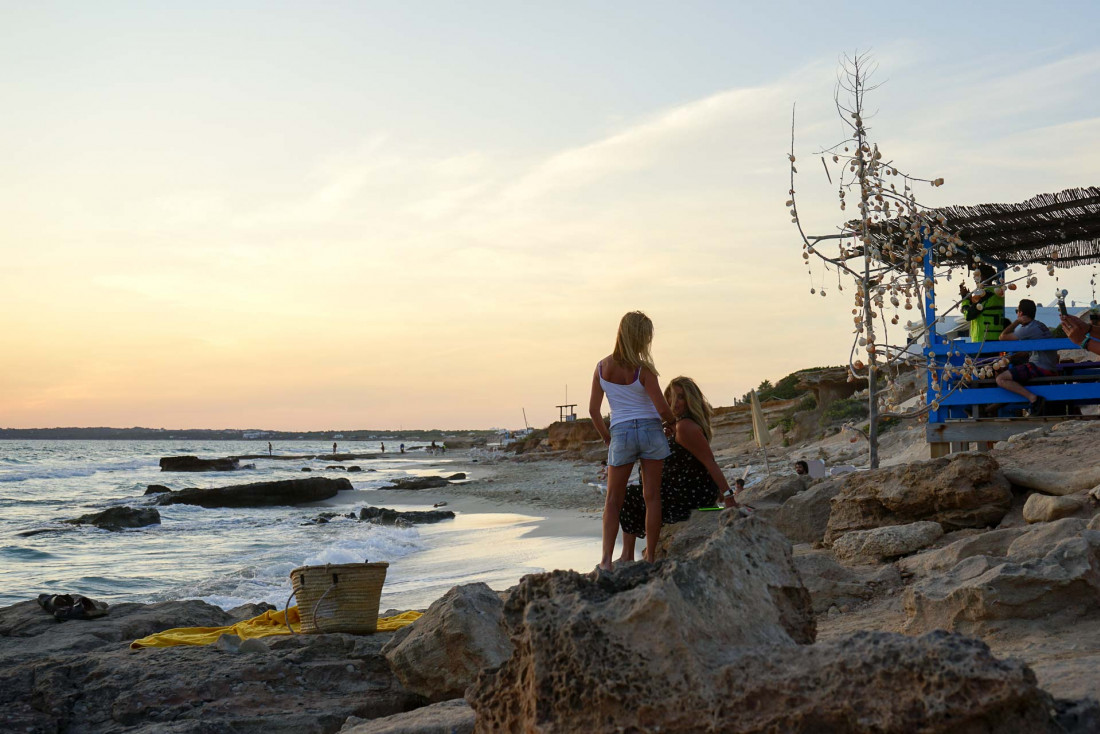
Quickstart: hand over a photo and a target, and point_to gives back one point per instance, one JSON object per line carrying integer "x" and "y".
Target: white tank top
{"x": 628, "y": 402}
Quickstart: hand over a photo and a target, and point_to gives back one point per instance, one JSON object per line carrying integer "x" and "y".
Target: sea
{"x": 228, "y": 557}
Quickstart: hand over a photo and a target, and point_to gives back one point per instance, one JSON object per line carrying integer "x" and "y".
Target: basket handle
{"x": 286, "y": 612}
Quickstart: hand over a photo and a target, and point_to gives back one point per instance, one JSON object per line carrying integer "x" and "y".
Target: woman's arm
{"x": 691, "y": 437}
{"x": 1078, "y": 331}
{"x": 595, "y": 403}
{"x": 653, "y": 389}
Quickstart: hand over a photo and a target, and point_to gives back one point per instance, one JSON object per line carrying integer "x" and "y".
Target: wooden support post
{"x": 939, "y": 449}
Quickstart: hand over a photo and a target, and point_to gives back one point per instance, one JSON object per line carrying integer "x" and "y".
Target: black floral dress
{"x": 685, "y": 486}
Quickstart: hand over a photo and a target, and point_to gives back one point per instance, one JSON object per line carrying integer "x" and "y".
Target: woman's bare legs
{"x": 628, "y": 547}
{"x": 617, "y": 477}
{"x": 651, "y": 491}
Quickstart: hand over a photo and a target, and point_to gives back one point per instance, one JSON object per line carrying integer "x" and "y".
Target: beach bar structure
{"x": 1060, "y": 229}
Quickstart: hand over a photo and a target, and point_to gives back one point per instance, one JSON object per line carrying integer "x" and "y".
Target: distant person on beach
{"x": 1040, "y": 363}
{"x": 333, "y": 448}
{"x": 691, "y": 478}
{"x": 269, "y": 451}
{"x": 1084, "y": 335}
{"x": 738, "y": 486}
{"x": 801, "y": 468}
{"x": 383, "y": 448}
{"x": 984, "y": 309}
{"x": 402, "y": 448}
{"x": 628, "y": 378}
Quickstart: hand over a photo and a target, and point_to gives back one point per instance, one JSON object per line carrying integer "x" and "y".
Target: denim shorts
{"x": 637, "y": 439}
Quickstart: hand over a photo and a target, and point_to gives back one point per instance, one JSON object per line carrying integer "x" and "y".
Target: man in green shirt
{"x": 983, "y": 308}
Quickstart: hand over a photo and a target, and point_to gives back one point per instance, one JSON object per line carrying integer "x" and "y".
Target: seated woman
{"x": 691, "y": 478}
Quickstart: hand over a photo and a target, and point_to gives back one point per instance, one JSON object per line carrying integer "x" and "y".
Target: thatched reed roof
{"x": 1060, "y": 229}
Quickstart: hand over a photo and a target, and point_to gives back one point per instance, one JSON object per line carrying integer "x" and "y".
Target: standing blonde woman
{"x": 629, "y": 380}
{"x": 691, "y": 477}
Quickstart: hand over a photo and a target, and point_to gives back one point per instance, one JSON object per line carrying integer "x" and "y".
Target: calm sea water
{"x": 230, "y": 556}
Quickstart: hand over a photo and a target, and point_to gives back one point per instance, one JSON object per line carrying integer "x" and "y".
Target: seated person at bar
{"x": 983, "y": 308}
{"x": 1039, "y": 364}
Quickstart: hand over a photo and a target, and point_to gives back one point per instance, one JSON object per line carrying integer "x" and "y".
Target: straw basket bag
{"x": 340, "y": 598}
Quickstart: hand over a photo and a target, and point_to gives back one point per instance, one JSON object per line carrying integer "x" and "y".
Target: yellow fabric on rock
{"x": 267, "y": 624}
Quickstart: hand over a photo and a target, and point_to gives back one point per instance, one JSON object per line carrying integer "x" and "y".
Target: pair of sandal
{"x": 72, "y": 606}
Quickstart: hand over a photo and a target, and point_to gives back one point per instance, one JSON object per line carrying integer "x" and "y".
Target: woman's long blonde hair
{"x": 633, "y": 340}
{"x": 698, "y": 409}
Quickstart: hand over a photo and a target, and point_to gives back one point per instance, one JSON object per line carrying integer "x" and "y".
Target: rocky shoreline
{"x": 958, "y": 594}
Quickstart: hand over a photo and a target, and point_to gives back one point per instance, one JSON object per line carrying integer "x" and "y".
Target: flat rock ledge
{"x": 81, "y": 676}
{"x": 259, "y": 494}
{"x": 194, "y": 463}
{"x": 386, "y": 516}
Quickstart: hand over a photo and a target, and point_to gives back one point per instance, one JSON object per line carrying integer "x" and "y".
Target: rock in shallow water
{"x": 194, "y": 463}
{"x": 117, "y": 518}
{"x": 260, "y": 494}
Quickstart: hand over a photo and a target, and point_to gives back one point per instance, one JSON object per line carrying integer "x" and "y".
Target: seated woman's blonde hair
{"x": 698, "y": 409}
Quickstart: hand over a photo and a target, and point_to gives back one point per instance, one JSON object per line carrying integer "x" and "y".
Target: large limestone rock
{"x": 961, "y": 491}
{"x": 774, "y": 490}
{"x": 1059, "y": 461}
{"x": 447, "y": 717}
{"x": 582, "y": 640}
{"x": 1063, "y": 582}
{"x": 804, "y": 518}
{"x": 886, "y": 543}
{"x": 991, "y": 543}
{"x": 259, "y": 494}
{"x": 833, "y": 585}
{"x": 117, "y": 518}
{"x": 868, "y": 682}
{"x": 462, "y": 633}
{"x": 1045, "y": 508}
{"x": 194, "y": 463}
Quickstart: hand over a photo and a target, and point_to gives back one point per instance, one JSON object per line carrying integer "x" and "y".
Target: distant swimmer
{"x": 402, "y": 448}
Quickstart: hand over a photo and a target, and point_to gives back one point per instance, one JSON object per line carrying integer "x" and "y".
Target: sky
{"x": 304, "y": 216}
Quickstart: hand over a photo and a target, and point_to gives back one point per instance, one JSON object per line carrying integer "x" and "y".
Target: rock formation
{"x": 886, "y": 543}
{"x": 714, "y": 638}
{"x": 1061, "y": 460}
{"x": 194, "y": 463}
{"x": 117, "y": 518}
{"x": 804, "y": 518}
{"x": 386, "y": 516}
{"x": 259, "y": 494}
{"x": 442, "y": 652}
{"x": 418, "y": 483}
{"x": 961, "y": 491}
{"x": 1044, "y": 508}
{"x": 1055, "y": 572}
{"x": 81, "y": 676}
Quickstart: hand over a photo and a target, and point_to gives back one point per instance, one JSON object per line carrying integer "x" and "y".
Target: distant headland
{"x": 238, "y": 434}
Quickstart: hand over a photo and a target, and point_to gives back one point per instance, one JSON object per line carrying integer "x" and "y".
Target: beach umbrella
{"x": 760, "y": 428}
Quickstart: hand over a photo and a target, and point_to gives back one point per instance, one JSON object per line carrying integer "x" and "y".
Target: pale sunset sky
{"x": 307, "y": 216}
